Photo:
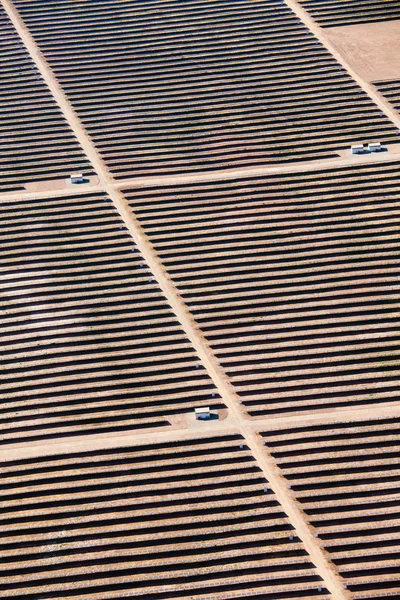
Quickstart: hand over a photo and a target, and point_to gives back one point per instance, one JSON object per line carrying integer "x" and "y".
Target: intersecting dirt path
{"x": 319, "y": 33}
{"x": 238, "y": 420}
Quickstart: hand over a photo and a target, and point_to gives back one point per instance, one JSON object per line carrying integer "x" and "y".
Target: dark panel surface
{"x": 169, "y": 87}
{"x": 346, "y": 476}
{"x": 36, "y": 143}
{"x": 88, "y": 342}
{"x": 176, "y": 520}
{"x": 294, "y": 280}
{"x": 336, "y": 13}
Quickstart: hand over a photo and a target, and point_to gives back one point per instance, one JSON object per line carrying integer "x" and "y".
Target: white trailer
{"x": 357, "y": 149}
{"x": 375, "y": 147}
{"x": 202, "y": 414}
{"x": 77, "y": 178}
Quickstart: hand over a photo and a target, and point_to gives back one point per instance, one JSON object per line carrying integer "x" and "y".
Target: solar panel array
{"x": 390, "y": 90}
{"x": 170, "y": 520}
{"x": 293, "y": 278}
{"x": 346, "y": 477}
{"x": 166, "y": 87}
{"x": 36, "y": 143}
{"x": 336, "y": 13}
{"x": 89, "y": 344}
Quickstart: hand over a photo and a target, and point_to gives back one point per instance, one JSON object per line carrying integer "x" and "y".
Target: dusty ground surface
{"x": 373, "y": 49}
{"x": 59, "y": 184}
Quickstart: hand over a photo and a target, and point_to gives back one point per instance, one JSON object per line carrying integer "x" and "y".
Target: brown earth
{"x": 373, "y": 49}
{"x": 60, "y": 184}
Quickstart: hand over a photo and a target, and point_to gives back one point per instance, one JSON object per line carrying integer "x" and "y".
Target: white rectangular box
{"x": 202, "y": 413}
{"x": 357, "y": 149}
{"x": 77, "y": 178}
{"x": 375, "y": 147}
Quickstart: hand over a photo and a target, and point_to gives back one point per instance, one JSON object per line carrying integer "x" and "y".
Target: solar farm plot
{"x": 177, "y": 520}
{"x": 165, "y": 87}
{"x": 89, "y": 344}
{"x": 390, "y": 90}
{"x": 36, "y": 143}
{"x": 336, "y": 13}
{"x": 293, "y": 278}
{"x": 346, "y": 477}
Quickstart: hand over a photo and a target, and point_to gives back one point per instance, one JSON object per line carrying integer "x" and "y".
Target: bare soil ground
{"x": 59, "y": 184}
{"x": 373, "y": 49}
